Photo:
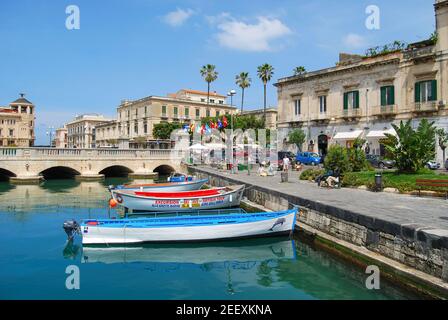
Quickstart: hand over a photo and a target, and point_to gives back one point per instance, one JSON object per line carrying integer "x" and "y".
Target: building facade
{"x": 362, "y": 96}
{"x": 271, "y": 116}
{"x": 136, "y": 118}
{"x": 81, "y": 132}
{"x": 61, "y": 138}
{"x": 17, "y": 123}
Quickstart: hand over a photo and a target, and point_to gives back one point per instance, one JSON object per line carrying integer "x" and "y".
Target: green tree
{"x": 297, "y": 136}
{"x": 243, "y": 81}
{"x": 337, "y": 158}
{"x": 300, "y": 70}
{"x": 411, "y": 149}
{"x": 442, "y": 139}
{"x": 265, "y": 73}
{"x": 209, "y": 73}
{"x": 163, "y": 130}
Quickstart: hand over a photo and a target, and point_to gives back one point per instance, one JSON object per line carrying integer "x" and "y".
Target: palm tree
{"x": 209, "y": 74}
{"x": 243, "y": 81}
{"x": 265, "y": 72}
{"x": 300, "y": 70}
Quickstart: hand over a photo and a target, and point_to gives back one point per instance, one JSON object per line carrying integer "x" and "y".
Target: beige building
{"x": 61, "y": 138}
{"x": 362, "y": 96}
{"x": 17, "y": 123}
{"x": 271, "y": 116}
{"x": 136, "y": 118}
{"x": 82, "y": 130}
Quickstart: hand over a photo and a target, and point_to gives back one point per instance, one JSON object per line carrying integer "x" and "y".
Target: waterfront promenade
{"x": 408, "y": 229}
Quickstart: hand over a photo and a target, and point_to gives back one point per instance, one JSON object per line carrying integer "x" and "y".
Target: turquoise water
{"x": 34, "y": 255}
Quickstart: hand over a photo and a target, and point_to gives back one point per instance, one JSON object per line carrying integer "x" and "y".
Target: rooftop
{"x": 21, "y": 100}
{"x": 202, "y": 93}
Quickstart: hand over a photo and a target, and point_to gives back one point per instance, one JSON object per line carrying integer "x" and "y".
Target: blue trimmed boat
{"x": 188, "y": 228}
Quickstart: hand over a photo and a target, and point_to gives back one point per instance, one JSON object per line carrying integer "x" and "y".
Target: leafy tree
{"x": 300, "y": 70}
{"x": 265, "y": 73}
{"x": 442, "y": 140}
{"x": 411, "y": 149}
{"x": 297, "y": 137}
{"x": 209, "y": 73}
{"x": 337, "y": 158}
{"x": 243, "y": 81}
{"x": 163, "y": 130}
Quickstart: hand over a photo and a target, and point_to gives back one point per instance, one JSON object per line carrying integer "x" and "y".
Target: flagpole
{"x": 231, "y": 93}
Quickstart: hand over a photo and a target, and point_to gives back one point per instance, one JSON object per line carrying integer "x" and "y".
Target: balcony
{"x": 164, "y": 116}
{"x": 424, "y": 107}
{"x": 322, "y": 117}
{"x": 297, "y": 121}
{"x": 384, "y": 111}
{"x": 352, "y": 114}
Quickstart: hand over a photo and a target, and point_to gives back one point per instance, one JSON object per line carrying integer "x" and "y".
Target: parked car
{"x": 311, "y": 158}
{"x": 433, "y": 165}
{"x": 379, "y": 162}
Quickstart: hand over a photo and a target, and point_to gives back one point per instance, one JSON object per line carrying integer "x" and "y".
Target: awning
{"x": 380, "y": 134}
{"x": 350, "y": 135}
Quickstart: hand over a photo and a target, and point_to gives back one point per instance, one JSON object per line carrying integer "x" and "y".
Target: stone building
{"x": 136, "y": 118}
{"x": 362, "y": 95}
{"x": 271, "y": 116}
{"x": 82, "y": 130}
{"x": 61, "y": 139}
{"x": 17, "y": 123}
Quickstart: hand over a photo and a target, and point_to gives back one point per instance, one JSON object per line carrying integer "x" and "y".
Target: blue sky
{"x": 135, "y": 48}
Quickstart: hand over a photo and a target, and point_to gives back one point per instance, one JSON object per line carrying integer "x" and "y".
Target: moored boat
{"x": 213, "y": 198}
{"x": 188, "y": 185}
{"x": 186, "y": 228}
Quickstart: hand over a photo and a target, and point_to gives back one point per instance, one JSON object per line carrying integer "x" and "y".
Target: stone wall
{"x": 411, "y": 245}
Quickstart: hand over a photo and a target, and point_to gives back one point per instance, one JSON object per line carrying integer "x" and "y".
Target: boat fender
{"x": 119, "y": 198}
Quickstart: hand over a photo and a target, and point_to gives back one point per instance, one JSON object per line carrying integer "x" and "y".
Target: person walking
{"x": 286, "y": 163}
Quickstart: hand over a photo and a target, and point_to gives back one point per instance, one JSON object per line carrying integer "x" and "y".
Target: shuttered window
{"x": 351, "y": 100}
{"x": 387, "y": 95}
{"x": 426, "y": 91}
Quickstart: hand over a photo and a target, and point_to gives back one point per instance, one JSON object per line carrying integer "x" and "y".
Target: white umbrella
{"x": 198, "y": 147}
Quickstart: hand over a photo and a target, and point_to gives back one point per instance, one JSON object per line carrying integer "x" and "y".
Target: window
{"x": 221, "y": 101}
{"x": 297, "y": 107}
{"x": 146, "y": 110}
{"x": 145, "y": 128}
{"x": 217, "y": 113}
{"x": 323, "y": 104}
{"x": 387, "y": 95}
{"x": 175, "y": 112}
{"x": 426, "y": 91}
{"x": 197, "y": 113}
{"x": 187, "y": 112}
{"x": 202, "y": 100}
{"x": 163, "y": 111}
{"x": 212, "y": 100}
{"x": 207, "y": 113}
{"x": 351, "y": 100}
{"x": 11, "y": 132}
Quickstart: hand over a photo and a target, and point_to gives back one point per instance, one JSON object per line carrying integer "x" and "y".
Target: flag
{"x": 219, "y": 124}
{"x": 208, "y": 129}
{"x": 224, "y": 122}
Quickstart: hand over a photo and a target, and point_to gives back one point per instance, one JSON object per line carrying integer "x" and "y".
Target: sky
{"x": 129, "y": 49}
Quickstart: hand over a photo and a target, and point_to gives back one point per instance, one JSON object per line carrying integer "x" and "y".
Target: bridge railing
{"x": 42, "y": 153}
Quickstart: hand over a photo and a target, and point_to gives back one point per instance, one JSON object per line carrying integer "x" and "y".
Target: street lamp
{"x": 230, "y": 94}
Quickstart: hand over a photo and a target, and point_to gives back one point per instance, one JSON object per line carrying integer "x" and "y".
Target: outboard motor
{"x": 71, "y": 227}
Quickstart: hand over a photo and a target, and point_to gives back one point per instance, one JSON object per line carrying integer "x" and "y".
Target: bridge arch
{"x": 164, "y": 169}
{"x": 116, "y": 171}
{"x": 6, "y": 174}
{"x": 59, "y": 172}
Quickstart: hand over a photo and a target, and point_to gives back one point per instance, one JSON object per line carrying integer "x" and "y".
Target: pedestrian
{"x": 286, "y": 163}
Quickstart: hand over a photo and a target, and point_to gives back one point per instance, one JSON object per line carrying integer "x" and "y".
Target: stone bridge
{"x": 32, "y": 164}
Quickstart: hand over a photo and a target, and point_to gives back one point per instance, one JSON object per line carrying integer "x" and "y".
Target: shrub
{"x": 351, "y": 180}
{"x": 311, "y": 174}
{"x": 357, "y": 159}
{"x": 337, "y": 158}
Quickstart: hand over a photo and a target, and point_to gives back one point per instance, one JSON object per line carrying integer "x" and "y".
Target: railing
{"x": 425, "y": 106}
{"x": 321, "y": 116}
{"x": 57, "y": 153}
{"x": 352, "y": 113}
{"x": 419, "y": 52}
{"x": 384, "y": 110}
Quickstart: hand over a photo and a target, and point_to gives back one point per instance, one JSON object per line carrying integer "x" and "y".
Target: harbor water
{"x": 34, "y": 256}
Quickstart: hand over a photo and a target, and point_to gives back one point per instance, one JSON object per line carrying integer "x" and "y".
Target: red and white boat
{"x": 215, "y": 198}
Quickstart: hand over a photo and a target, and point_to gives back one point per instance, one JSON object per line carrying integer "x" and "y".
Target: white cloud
{"x": 244, "y": 36}
{"x": 178, "y": 17}
{"x": 354, "y": 40}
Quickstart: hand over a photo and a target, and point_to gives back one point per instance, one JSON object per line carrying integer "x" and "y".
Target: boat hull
{"x": 189, "y": 228}
{"x": 159, "y": 204}
{"x": 165, "y": 187}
